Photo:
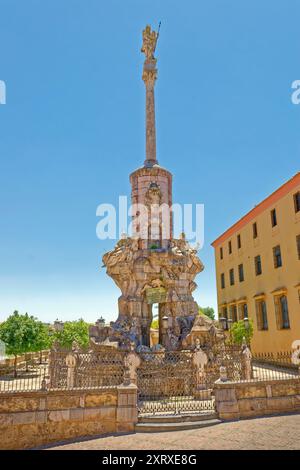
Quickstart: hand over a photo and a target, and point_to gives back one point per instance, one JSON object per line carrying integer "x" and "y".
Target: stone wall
{"x": 257, "y": 398}
{"x": 32, "y": 419}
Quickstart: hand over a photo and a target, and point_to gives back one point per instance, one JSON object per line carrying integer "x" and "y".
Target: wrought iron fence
{"x": 182, "y": 381}
{"x": 265, "y": 372}
{"x": 169, "y": 380}
{"x": 272, "y": 366}
{"x": 65, "y": 370}
{"x": 25, "y": 377}
{"x": 281, "y": 358}
{"x": 91, "y": 369}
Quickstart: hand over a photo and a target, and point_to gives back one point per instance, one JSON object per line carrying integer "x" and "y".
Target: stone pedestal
{"x": 150, "y": 276}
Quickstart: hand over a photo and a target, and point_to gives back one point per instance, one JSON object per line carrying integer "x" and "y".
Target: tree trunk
{"x": 15, "y": 366}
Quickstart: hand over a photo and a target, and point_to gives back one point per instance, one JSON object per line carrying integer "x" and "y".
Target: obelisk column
{"x": 149, "y": 77}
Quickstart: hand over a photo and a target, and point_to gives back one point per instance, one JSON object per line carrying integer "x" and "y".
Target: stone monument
{"x": 151, "y": 267}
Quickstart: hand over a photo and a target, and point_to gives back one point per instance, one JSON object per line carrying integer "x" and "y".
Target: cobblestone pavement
{"x": 280, "y": 432}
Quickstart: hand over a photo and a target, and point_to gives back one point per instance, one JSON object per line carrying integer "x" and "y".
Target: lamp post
{"x": 223, "y": 322}
{"x": 229, "y": 323}
{"x": 101, "y": 322}
{"x": 246, "y": 323}
{"x": 247, "y": 326}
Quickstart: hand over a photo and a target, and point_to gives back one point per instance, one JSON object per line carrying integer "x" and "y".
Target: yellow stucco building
{"x": 258, "y": 269}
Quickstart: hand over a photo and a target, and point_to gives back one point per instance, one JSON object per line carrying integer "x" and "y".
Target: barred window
{"x": 241, "y": 272}
{"x": 221, "y": 253}
{"x": 233, "y": 313}
{"x": 222, "y": 281}
{"x": 277, "y": 257}
{"x": 297, "y": 201}
{"x": 230, "y": 247}
{"x": 239, "y": 243}
{"x": 282, "y": 312}
{"x": 245, "y": 308}
{"x": 273, "y": 217}
{"x": 231, "y": 277}
{"x": 225, "y": 315}
{"x": 243, "y": 311}
{"x": 257, "y": 263}
{"x": 261, "y": 315}
{"x": 254, "y": 228}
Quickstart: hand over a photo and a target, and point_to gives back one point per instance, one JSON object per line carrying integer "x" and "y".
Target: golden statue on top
{"x": 149, "y": 42}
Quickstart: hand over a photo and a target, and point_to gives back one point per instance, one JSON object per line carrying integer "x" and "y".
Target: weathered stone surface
{"x": 282, "y": 389}
{"x": 19, "y": 403}
{"x": 256, "y": 398}
{"x": 41, "y": 416}
{"x": 93, "y": 400}
{"x": 92, "y": 414}
{"x": 5, "y": 419}
{"x": 59, "y": 415}
{"x": 226, "y": 394}
{"x": 76, "y": 414}
{"x": 63, "y": 401}
{"x": 250, "y": 391}
{"x": 256, "y": 404}
{"x": 25, "y": 417}
{"x": 285, "y": 403}
{"x": 32, "y": 428}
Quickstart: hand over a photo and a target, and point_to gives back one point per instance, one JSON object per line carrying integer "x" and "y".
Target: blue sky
{"x": 73, "y": 129}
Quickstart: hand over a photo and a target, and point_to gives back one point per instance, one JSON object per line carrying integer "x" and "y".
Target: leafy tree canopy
{"x": 207, "y": 311}
{"x": 73, "y": 331}
{"x": 238, "y": 331}
{"x": 23, "y": 333}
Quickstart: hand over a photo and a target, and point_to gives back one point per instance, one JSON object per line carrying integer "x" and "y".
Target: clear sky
{"x": 73, "y": 129}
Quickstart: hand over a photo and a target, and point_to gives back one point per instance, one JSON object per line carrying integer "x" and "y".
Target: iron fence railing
{"x": 266, "y": 372}
{"x": 65, "y": 370}
{"x": 23, "y": 379}
{"x": 281, "y": 358}
{"x": 273, "y": 366}
{"x": 160, "y": 373}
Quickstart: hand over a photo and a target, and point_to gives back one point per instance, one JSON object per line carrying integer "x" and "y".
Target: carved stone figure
{"x": 149, "y": 42}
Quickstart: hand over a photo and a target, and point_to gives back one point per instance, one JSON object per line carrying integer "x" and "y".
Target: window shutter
{"x": 278, "y": 313}
{"x": 258, "y": 314}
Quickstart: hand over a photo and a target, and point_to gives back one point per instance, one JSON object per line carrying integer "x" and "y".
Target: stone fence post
{"x": 131, "y": 362}
{"x": 71, "y": 364}
{"x": 226, "y": 400}
{"x": 127, "y": 412}
{"x": 247, "y": 361}
{"x": 200, "y": 360}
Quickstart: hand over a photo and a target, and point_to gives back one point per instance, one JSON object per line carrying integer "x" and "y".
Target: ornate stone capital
{"x": 149, "y": 72}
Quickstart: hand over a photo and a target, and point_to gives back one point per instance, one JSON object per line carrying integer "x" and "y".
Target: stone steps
{"x": 176, "y": 422}
{"x": 181, "y": 426}
{"x": 202, "y": 416}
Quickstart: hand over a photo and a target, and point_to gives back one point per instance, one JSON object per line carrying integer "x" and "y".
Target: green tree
{"x": 73, "y": 331}
{"x": 19, "y": 333}
{"x": 238, "y": 331}
{"x": 207, "y": 311}
{"x": 155, "y": 323}
{"x": 43, "y": 338}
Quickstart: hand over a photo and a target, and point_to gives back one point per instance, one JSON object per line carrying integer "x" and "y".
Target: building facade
{"x": 258, "y": 269}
